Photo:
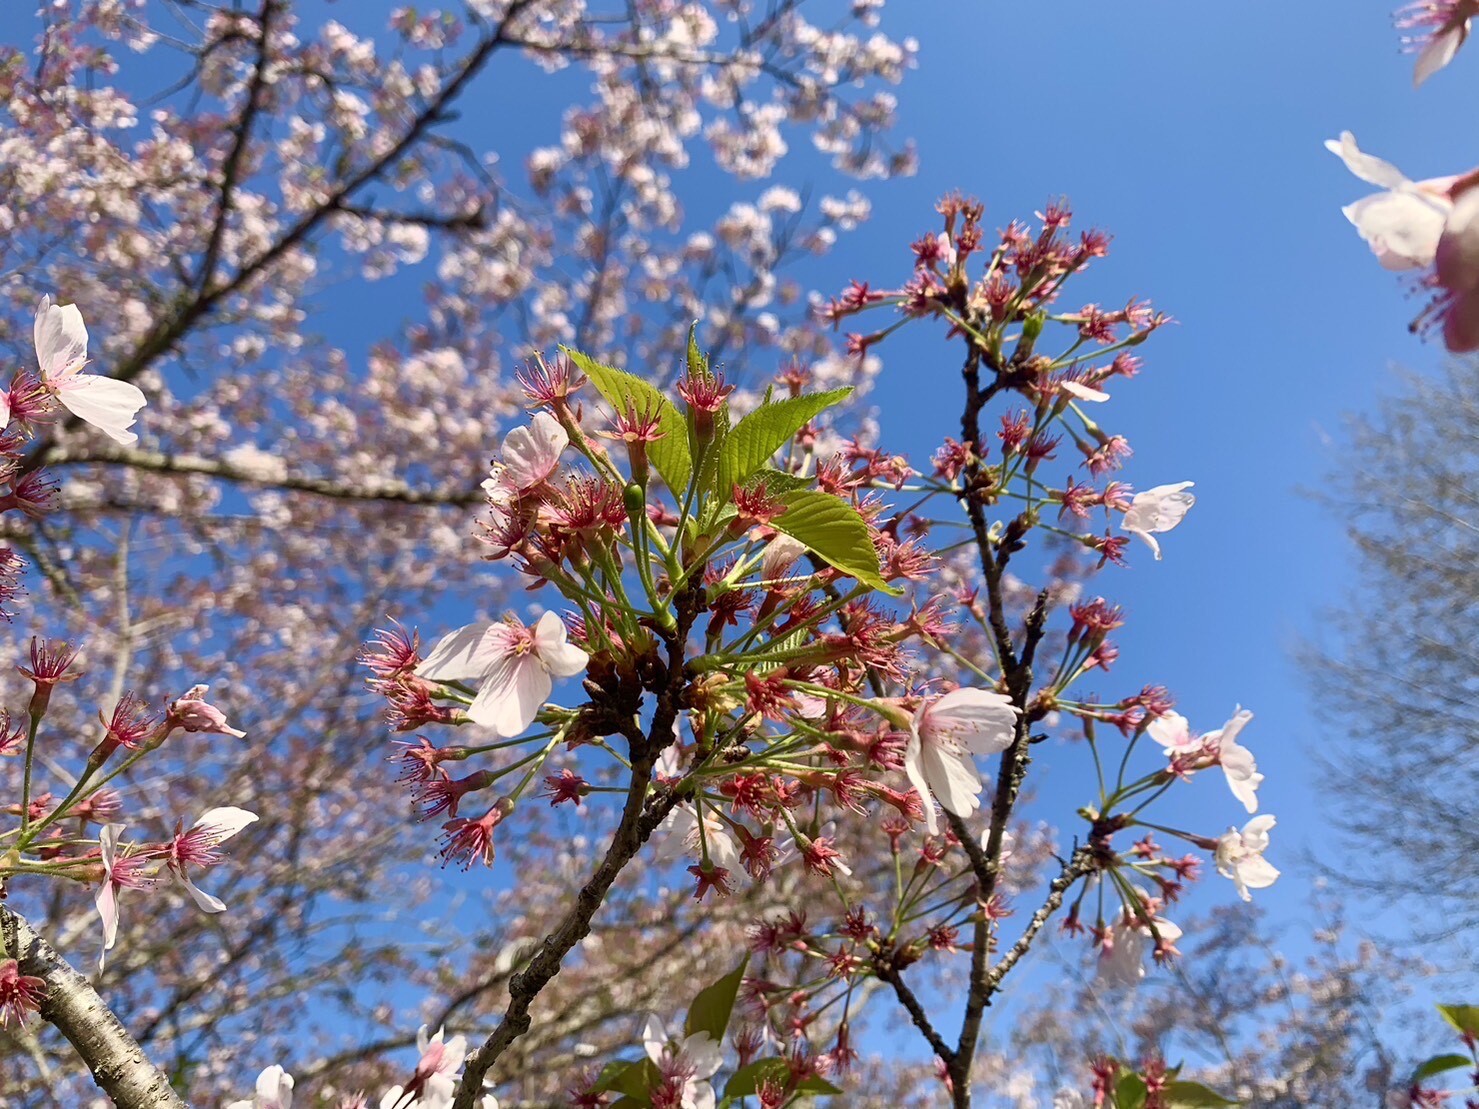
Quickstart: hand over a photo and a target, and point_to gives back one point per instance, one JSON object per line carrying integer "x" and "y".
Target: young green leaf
{"x": 711, "y": 1008}
{"x": 1193, "y": 1095}
{"x": 1463, "y": 1017}
{"x": 834, "y": 530}
{"x": 623, "y": 391}
{"x": 1130, "y": 1092}
{"x": 751, "y": 442}
{"x": 1438, "y": 1064}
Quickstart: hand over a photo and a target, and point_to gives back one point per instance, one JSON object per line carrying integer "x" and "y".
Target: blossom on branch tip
{"x": 20, "y": 994}
{"x": 1158, "y": 510}
{"x": 1240, "y": 856}
{"x": 685, "y": 1065}
{"x": 435, "y": 1079}
{"x": 944, "y": 736}
{"x": 514, "y": 666}
{"x": 61, "y": 351}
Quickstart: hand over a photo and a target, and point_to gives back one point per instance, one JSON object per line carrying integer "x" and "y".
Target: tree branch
{"x": 117, "y": 1063}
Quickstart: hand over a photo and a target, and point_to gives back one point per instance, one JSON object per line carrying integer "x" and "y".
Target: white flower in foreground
{"x": 1158, "y": 509}
{"x": 530, "y": 454}
{"x": 274, "y": 1091}
{"x": 1122, "y": 950}
{"x": 1417, "y": 224}
{"x": 1240, "y": 856}
{"x": 1173, "y": 732}
{"x": 514, "y": 666}
{"x": 944, "y": 737}
{"x": 1236, "y": 761}
{"x": 691, "y": 1060}
{"x": 197, "y": 847}
{"x": 61, "y": 352}
{"x": 435, "y": 1080}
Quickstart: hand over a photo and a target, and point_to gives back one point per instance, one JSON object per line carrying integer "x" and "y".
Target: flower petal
{"x": 914, "y": 770}
{"x": 1367, "y": 167}
{"x": 1402, "y": 228}
{"x": 953, "y": 779}
{"x": 205, "y": 901}
{"x": 223, "y": 823}
{"x": 514, "y": 689}
{"x": 982, "y": 719}
{"x": 108, "y": 404}
{"x": 1438, "y": 52}
{"x": 561, "y": 658}
{"x": 530, "y": 454}
{"x": 460, "y": 656}
{"x": 60, "y": 337}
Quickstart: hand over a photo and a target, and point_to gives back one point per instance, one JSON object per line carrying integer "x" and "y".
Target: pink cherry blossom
{"x": 1240, "y": 856}
{"x": 61, "y": 351}
{"x": 945, "y": 735}
{"x": 514, "y": 666}
{"x": 1158, "y": 510}
{"x": 194, "y": 714}
{"x": 197, "y": 847}
{"x": 435, "y": 1080}
{"x": 1122, "y": 949}
{"x": 686, "y": 1063}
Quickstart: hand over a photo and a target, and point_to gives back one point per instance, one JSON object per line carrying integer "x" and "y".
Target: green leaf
{"x": 778, "y": 482}
{"x": 831, "y": 527}
{"x": 1463, "y": 1017}
{"x": 632, "y": 1078}
{"x": 623, "y": 391}
{"x": 1193, "y": 1095}
{"x": 757, "y": 437}
{"x": 815, "y": 1084}
{"x": 746, "y": 1081}
{"x": 1130, "y": 1092}
{"x": 1440, "y": 1063}
{"x": 711, "y": 1008}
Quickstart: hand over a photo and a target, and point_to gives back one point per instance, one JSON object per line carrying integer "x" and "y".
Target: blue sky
{"x": 1193, "y": 133}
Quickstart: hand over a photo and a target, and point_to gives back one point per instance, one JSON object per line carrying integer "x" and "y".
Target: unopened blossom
{"x": 1240, "y": 856}
{"x": 1158, "y": 510}
{"x": 945, "y": 735}
{"x": 1441, "y": 26}
{"x": 685, "y": 1063}
{"x": 20, "y": 994}
{"x": 1422, "y": 224}
{"x": 194, "y": 713}
{"x": 274, "y": 1091}
{"x": 513, "y": 665}
{"x": 61, "y": 351}
{"x": 197, "y": 847}
{"x": 435, "y": 1080}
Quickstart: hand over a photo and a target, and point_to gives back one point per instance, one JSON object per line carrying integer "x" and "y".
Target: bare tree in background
{"x": 1399, "y": 676}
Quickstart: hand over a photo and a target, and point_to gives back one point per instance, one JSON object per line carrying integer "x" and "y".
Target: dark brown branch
{"x": 118, "y": 1064}
{"x": 887, "y": 972}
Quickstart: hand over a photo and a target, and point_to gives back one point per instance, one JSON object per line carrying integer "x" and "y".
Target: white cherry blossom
{"x": 61, "y": 352}
{"x": 945, "y": 735}
{"x": 514, "y": 666}
{"x": 1158, "y": 510}
{"x": 1240, "y": 856}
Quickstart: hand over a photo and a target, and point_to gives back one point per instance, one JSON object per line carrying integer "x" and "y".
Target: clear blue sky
{"x": 1193, "y": 132}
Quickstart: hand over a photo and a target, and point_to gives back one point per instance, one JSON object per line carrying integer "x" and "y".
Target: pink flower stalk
{"x": 944, "y": 736}
{"x": 1441, "y": 27}
{"x": 466, "y": 841}
{"x": 51, "y": 665}
{"x": 197, "y": 847}
{"x": 1158, "y": 510}
{"x": 514, "y": 665}
{"x": 20, "y": 994}
{"x": 61, "y": 352}
{"x": 1430, "y": 225}
{"x": 192, "y": 713}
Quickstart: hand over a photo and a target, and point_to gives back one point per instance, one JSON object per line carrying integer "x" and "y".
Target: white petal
{"x": 953, "y": 779}
{"x": 982, "y": 719}
{"x": 1255, "y": 832}
{"x": 108, "y": 844}
{"x": 275, "y": 1088}
{"x": 1439, "y": 51}
{"x": 225, "y": 822}
{"x": 1402, "y": 228}
{"x": 460, "y": 656}
{"x": 1172, "y": 731}
{"x": 4, "y": 411}
{"x": 654, "y": 1037}
{"x": 551, "y": 643}
{"x": 514, "y": 690}
{"x": 1457, "y": 256}
{"x": 205, "y": 901}
{"x": 531, "y": 453}
{"x": 914, "y": 769}
{"x": 703, "y": 1052}
{"x": 1080, "y": 391}
{"x": 1257, "y": 873}
{"x": 107, "y": 404}
{"x": 1159, "y": 509}
{"x": 60, "y": 337}
{"x": 1365, "y": 166}
{"x": 107, "y": 903}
